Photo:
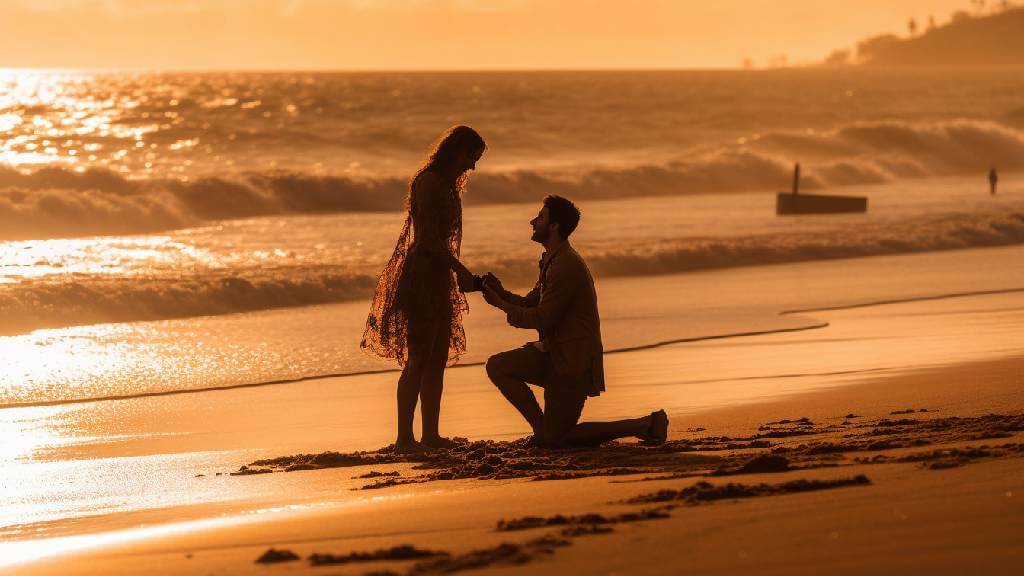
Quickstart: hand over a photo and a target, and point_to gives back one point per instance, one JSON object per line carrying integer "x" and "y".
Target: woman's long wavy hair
{"x": 446, "y": 150}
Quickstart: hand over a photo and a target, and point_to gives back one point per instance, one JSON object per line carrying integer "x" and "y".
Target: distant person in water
{"x": 567, "y": 359}
{"x": 416, "y": 314}
{"x": 993, "y": 180}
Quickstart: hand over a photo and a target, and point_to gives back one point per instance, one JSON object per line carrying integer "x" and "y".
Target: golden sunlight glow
{"x": 444, "y": 34}
{"x": 18, "y": 437}
{"x": 29, "y": 360}
{"x": 58, "y": 118}
{"x": 18, "y": 552}
{"x": 104, "y": 255}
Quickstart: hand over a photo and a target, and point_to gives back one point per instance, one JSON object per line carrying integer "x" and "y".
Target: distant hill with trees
{"x": 980, "y": 40}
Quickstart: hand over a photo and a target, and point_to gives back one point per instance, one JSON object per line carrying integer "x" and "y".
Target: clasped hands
{"x": 489, "y": 284}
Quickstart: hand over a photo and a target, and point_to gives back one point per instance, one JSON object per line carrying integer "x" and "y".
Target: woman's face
{"x": 467, "y": 161}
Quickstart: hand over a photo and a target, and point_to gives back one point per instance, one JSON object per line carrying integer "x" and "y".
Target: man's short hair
{"x": 563, "y": 212}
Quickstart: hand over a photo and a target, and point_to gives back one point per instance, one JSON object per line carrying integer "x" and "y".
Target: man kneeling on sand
{"x": 567, "y": 361}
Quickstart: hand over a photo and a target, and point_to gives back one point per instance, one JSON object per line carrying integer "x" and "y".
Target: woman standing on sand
{"x": 416, "y": 314}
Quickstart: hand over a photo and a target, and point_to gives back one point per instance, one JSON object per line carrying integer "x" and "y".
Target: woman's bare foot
{"x": 535, "y": 441}
{"x": 657, "y": 432}
{"x": 438, "y": 442}
{"x": 410, "y": 446}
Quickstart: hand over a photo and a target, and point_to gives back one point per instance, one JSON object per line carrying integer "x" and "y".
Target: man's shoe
{"x": 657, "y": 433}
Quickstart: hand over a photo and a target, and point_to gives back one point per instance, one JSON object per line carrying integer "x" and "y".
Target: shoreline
{"x": 764, "y": 322}
{"x": 165, "y": 461}
{"x": 815, "y": 326}
{"x": 178, "y": 439}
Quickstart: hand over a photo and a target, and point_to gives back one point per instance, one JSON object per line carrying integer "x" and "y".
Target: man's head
{"x": 557, "y": 216}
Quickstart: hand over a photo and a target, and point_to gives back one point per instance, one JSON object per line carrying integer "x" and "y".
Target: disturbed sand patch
{"x": 705, "y": 492}
{"x": 778, "y": 446}
{"x": 569, "y": 528}
{"x": 490, "y": 460}
{"x": 404, "y": 552}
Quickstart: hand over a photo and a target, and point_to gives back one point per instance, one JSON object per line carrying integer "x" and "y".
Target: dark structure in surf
{"x": 788, "y": 203}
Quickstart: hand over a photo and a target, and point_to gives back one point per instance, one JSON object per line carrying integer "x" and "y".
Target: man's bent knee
{"x": 494, "y": 366}
{"x": 513, "y": 366}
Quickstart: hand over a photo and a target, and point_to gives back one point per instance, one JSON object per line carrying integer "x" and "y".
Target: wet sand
{"x": 780, "y": 427}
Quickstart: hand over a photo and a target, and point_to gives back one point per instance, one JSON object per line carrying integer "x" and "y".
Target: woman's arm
{"x": 430, "y": 196}
{"x": 426, "y": 204}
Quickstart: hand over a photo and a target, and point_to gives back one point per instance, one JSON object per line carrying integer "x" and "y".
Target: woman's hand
{"x": 465, "y": 279}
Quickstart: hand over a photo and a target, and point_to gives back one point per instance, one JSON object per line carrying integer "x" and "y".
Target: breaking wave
{"x": 63, "y": 300}
{"x": 50, "y": 303}
{"x": 57, "y": 202}
{"x": 925, "y": 235}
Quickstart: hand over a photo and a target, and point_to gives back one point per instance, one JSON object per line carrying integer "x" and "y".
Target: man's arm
{"x": 560, "y": 288}
{"x": 531, "y": 299}
{"x": 528, "y": 301}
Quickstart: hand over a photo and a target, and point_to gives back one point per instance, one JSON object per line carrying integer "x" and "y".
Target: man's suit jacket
{"x": 562, "y": 307}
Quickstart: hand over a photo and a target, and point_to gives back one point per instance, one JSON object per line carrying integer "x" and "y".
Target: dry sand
{"x": 944, "y": 494}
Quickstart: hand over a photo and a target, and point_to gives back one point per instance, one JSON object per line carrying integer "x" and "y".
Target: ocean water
{"x": 144, "y": 218}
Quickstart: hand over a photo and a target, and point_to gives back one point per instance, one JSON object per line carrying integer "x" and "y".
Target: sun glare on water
{"x": 102, "y": 255}
{"x": 63, "y": 118}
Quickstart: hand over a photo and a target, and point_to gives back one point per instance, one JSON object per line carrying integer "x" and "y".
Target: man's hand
{"x": 493, "y": 298}
{"x": 491, "y": 280}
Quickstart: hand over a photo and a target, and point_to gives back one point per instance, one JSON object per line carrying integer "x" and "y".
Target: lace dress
{"x": 417, "y": 299}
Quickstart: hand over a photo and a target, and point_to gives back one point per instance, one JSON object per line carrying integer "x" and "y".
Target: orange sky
{"x": 440, "y": 34}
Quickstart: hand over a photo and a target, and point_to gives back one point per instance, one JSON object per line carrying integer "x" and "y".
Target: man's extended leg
{"x": 510, "y": 371}
{"x": 563, "y": 405}
{"x": 652, "y": 429}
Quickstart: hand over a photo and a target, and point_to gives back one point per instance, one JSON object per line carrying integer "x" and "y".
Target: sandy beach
{"x": 235, "y": 237}
{"x": 953, "y": 505}
{"x": 876, "y": 432}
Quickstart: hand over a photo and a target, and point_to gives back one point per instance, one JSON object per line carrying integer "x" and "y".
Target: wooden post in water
{"x": 795, "y": 203}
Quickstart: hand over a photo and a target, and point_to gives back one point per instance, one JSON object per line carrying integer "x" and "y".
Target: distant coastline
{"x": 993, "y": 40}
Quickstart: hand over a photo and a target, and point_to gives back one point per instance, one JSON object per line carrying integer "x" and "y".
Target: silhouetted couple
{"x": 416, "y": 315}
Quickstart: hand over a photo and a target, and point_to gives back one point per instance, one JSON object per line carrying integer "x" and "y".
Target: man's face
{"x": 543, "y": 228}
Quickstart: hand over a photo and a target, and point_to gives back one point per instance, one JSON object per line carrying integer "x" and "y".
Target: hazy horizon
{"x": 443, "y": 35}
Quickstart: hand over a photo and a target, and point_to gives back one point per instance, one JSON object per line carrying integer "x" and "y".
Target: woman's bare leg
{"x": 408, "y": 393}
{"x": 431, "y": 389}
